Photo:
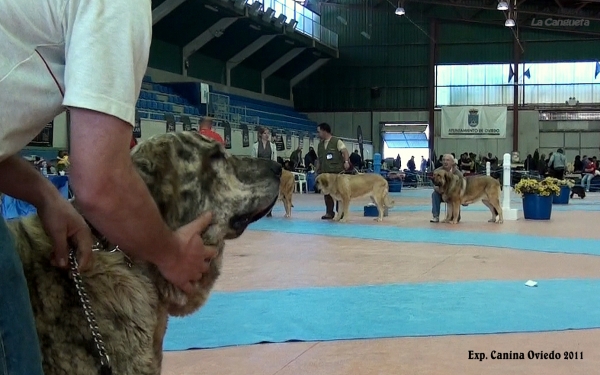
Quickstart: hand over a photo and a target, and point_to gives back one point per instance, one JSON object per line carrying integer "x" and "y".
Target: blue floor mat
{"x": 399, "y": 310}
{"x": 427, "y": 235}
{"x": 589, "y": 206}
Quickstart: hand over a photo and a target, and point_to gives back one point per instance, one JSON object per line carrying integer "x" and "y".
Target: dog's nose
{"x": 276, "y": 169}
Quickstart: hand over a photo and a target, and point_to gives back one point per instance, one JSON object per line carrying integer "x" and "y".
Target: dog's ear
{"x": 155, "y": 162}
{"x": 448, "y": 178}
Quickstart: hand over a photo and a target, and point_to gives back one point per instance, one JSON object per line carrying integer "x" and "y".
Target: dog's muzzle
{"x": 239, "y": 223}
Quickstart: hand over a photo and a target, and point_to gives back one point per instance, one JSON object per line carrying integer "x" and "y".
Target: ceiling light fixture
{"x": 502, "y": 5}
{"x": 509, "y": 23}
{"x": 400, "y": 11}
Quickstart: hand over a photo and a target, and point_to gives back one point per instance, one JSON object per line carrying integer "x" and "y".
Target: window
{"x": 541, "y": 83}
{"x": 406, "y": 140}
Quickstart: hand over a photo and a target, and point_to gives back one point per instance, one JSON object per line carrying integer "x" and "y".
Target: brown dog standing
{"x": 286, "y": 191}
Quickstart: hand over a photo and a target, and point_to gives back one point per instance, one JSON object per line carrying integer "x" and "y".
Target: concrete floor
{"x": 268, "y": 260}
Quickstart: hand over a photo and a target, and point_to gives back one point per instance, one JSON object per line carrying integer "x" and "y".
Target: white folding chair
{"x": 301, "y": 182}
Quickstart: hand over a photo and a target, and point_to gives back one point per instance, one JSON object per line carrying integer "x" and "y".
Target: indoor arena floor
{"x": 405, "y": 296}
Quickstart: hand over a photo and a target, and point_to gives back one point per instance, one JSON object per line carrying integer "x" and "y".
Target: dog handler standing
{"x": 449, "y": 164}
{"x": 333, "y": 157}
{"x": 89, "y": 57}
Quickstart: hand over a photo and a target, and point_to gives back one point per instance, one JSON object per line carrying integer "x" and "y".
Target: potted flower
{"x": 565, "y": 190}
{"x": 537, "y": 197}
{"x": 63, "y": 165}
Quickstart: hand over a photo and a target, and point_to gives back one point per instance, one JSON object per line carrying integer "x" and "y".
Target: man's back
{"x": 209, "y": 133}
{"x": 103, "y": 73}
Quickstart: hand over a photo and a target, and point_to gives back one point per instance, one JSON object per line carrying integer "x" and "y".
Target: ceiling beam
{"x": 308, "y": 71}
{"x": 278, "y": 64}
{"x": 210, "y": 33}
{"x": 164, "y": 9}
{"x": 245, "y": 53}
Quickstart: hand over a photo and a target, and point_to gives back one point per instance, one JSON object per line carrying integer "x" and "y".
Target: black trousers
{"x": 329, "y": 203}
{"x": 329, "y": 206}
{"x": 558, "y": 173}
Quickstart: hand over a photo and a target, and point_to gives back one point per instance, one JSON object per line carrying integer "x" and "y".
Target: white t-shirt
{"x": 88, "y": 54}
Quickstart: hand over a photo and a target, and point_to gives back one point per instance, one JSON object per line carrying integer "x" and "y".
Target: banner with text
{"x": 170, "y": 122}
{"x": 227, "y": 134}
{"x": 137, "y": 129}
{"x": 45, "y": 137}
{"x": 245, "y": 135}
{"x": 474, "y": 122}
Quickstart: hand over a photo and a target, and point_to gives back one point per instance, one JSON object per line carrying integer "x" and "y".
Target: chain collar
{"x": 105, "y": 365}
{"x": 99, "y": 247}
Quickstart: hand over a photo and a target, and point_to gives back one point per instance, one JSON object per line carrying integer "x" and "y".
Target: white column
{"x": 509, "y": 213}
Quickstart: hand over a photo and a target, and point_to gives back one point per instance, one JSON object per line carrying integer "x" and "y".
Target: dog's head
{"x": 442, "y": 178}
{"x": 189, "y": 174}
{"x": 325, "y": 181}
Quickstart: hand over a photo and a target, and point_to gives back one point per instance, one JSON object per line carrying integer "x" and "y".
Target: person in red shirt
{"x": 206, "y": 124}
{"x": 589, "y": 172}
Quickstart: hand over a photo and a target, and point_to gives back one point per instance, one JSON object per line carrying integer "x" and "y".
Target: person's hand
{"x": 192, "y": 258}
{"x": 66, "y": 228}
{"x": 346, "y": 164}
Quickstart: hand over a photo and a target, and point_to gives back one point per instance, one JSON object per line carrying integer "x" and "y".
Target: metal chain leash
{"x": 105, "y": 367}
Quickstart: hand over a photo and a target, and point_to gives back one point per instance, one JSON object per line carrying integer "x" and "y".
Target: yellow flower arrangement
{"x": 565, "y": 182}
{"x": 545, "y": 188}
{"x": 63, "y": 163}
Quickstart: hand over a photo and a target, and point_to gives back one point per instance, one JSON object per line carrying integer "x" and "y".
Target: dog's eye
{"x": 216, "y": 154}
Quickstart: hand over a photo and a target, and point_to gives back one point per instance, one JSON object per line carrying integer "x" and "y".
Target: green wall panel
{"x": 165, "y": 56}
{"x": 559, "y": 51}
{"x": 394, "y": 58}
{"x": 462, "y": 43}
{"x": 245, "y": 78}
{"x": 465, "y": 33}
{"x": 278, "y": 87}
{"x": 475, "y": 53}
{"x": 207, "y": 68}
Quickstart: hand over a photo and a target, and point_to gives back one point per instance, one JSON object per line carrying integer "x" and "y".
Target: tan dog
{"x": 286, "y": 191}
{"x": 343, "y": 188}
{"x": 457, "y": 191}
{"x": 187, "y": 175}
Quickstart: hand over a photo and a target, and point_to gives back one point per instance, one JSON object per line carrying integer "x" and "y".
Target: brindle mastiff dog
{"x": 457, "y": 191}
{"x": 187, "y": 175}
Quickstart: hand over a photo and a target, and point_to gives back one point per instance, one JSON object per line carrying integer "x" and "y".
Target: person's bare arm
{"x": 346, "y": 155}
{"x": 60, "y": 221}
{"x": 108, "y": 190}
{"x": 22, "y": 181}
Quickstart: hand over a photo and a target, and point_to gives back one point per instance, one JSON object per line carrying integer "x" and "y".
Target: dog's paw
{"x": 287, "y": 216}
{"x": 491, "y": 220}
{"x": 378, "y": 219}
{"x": 500, "y": 221}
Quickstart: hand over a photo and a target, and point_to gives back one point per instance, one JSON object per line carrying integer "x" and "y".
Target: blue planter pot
{"x": 311, "y": 178}
{"x": 537, "y": 207}
{"x": 563, "y": 197}
{"x": 395, "y": 186}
